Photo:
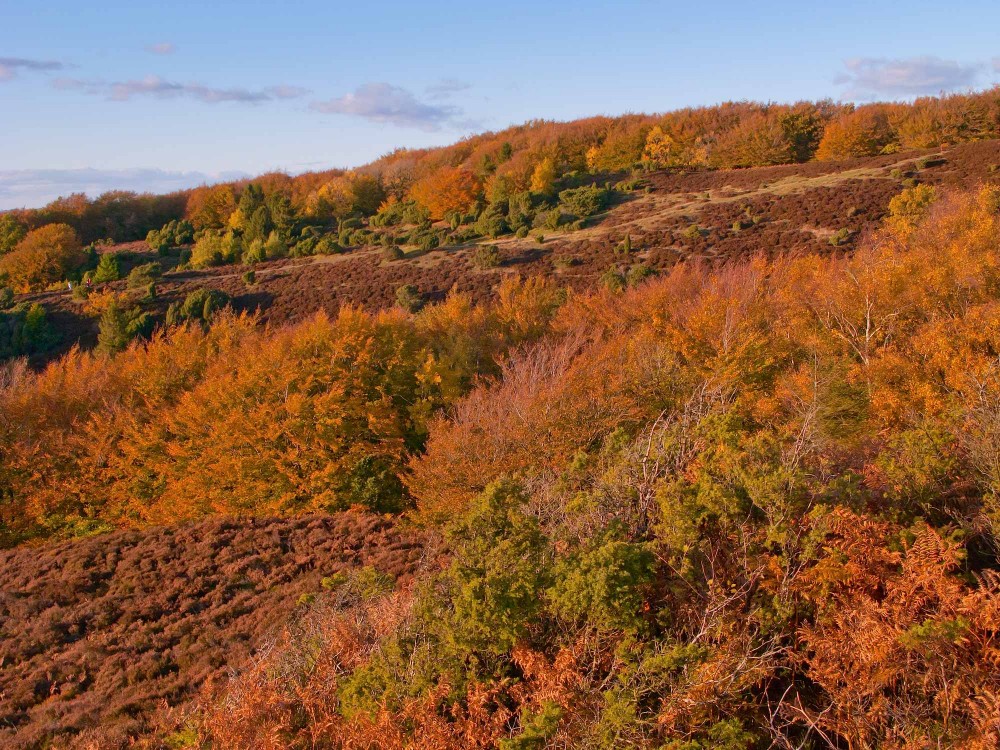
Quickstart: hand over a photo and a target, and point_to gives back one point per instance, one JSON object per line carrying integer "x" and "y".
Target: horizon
{"x": 212, "y": 94}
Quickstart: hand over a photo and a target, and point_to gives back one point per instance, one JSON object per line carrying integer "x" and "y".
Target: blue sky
{"x": 144, "y": 95}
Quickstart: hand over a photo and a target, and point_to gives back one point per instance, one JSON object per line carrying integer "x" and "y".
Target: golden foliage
{"x": 43, "y": 257}
{"x": 446, "y": 191}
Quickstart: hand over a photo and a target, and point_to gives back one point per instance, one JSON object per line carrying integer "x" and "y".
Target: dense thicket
{"x": 746, "y": 507}
{"x": 234, "y": 418}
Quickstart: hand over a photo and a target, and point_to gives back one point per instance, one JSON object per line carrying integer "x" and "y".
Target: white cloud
{"x": 162, "y": 48}
{"x": 163, "y": 89}
{"x": 385, "y": 103}
{"x": 36, "y": 187}
{"x": 447, "y": 87}
{"x": 876, "y": 77}
{"x": 11, "y": 66}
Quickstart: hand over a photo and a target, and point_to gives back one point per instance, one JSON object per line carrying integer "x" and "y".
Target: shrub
{"x": 254, "y": 252}
{"x": 7, "y": 297}
{"x": 602, "y": 586}
{"x": 613, "y": 280}
{"x": 429, "y": 242}
{"x": 497, "y": 572}
{"x": 359, "y": 237}
{"x": 552, "y": 219}
{"x": 393, "y": 252}
{"x": 144, "y": 275}
{"x": 250, "y": 277}
{"x": 840, "y": 237}
{"x": 200, "y": 305}
{"x": 275, "y": 247}
{"x": 486, "y": 256}
{"x": 409, "y": 298}
{"x": 585, "y": 201}
{"x": 520, "y": 211}
{"x": 492, "y": 222}
{"x": 172, "y": 234}
{"x": 327, "y": 246}
{"x": 638, "y": 273}
{"x": 908, "y": 208}
{"x": 215, "y": 248}
{"x": 24, "y": 329}
{"x": 692, "y": 232}
{"x": 625, "y": 246}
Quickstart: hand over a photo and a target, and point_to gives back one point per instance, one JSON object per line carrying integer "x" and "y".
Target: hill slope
{"x": 671, "y": 216}
{"x": 96, "y": 634}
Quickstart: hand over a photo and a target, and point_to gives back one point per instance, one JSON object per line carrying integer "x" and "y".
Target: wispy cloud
{"x": 385, "y": 103}
{"x": 11, "y": 66}
{"x": 161, "y": 48}
{"x": 36, "y": 187}
{"x": 874, "y": 77}
{"x": 154, "y": 86}
{"x": 447, "y": 87}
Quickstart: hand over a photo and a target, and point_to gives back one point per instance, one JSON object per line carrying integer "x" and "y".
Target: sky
{"x": 158, "y": 96}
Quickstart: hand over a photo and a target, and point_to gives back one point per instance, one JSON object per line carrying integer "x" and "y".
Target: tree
{"x": 543, "y": 179}
{"x": 621, "y": 149}
{"x": 757, "y": 141}
{"x": 446, "y": 191}
{"x": 108, "y": 268}
{"x": 864, "y": 132}
{"x": 120, "y": 324}
{"x": 344, "y": 195}
{"x": 45, "y": 255}
{"x": 210, "y": 208}
{"x": 12, "y": 231}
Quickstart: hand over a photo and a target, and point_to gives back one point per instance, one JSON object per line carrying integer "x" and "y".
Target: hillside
{"x": 99, "y": 634}
{"x": 734, "y": 213}
{"x": 665, "y": 432}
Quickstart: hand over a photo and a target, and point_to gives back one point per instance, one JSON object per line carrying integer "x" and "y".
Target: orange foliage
{"x": 447, "y": 190}
{"x": 43, "y": 257}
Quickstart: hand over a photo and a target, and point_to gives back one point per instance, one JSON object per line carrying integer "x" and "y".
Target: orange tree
{"x": 43, "y": 257}
{"x": 448, "y": 190}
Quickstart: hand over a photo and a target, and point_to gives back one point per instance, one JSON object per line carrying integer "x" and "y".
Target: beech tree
{"x": 44, "y": 256}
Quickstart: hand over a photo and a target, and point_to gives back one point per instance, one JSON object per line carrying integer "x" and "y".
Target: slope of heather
{"x": 96, "y": 634}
